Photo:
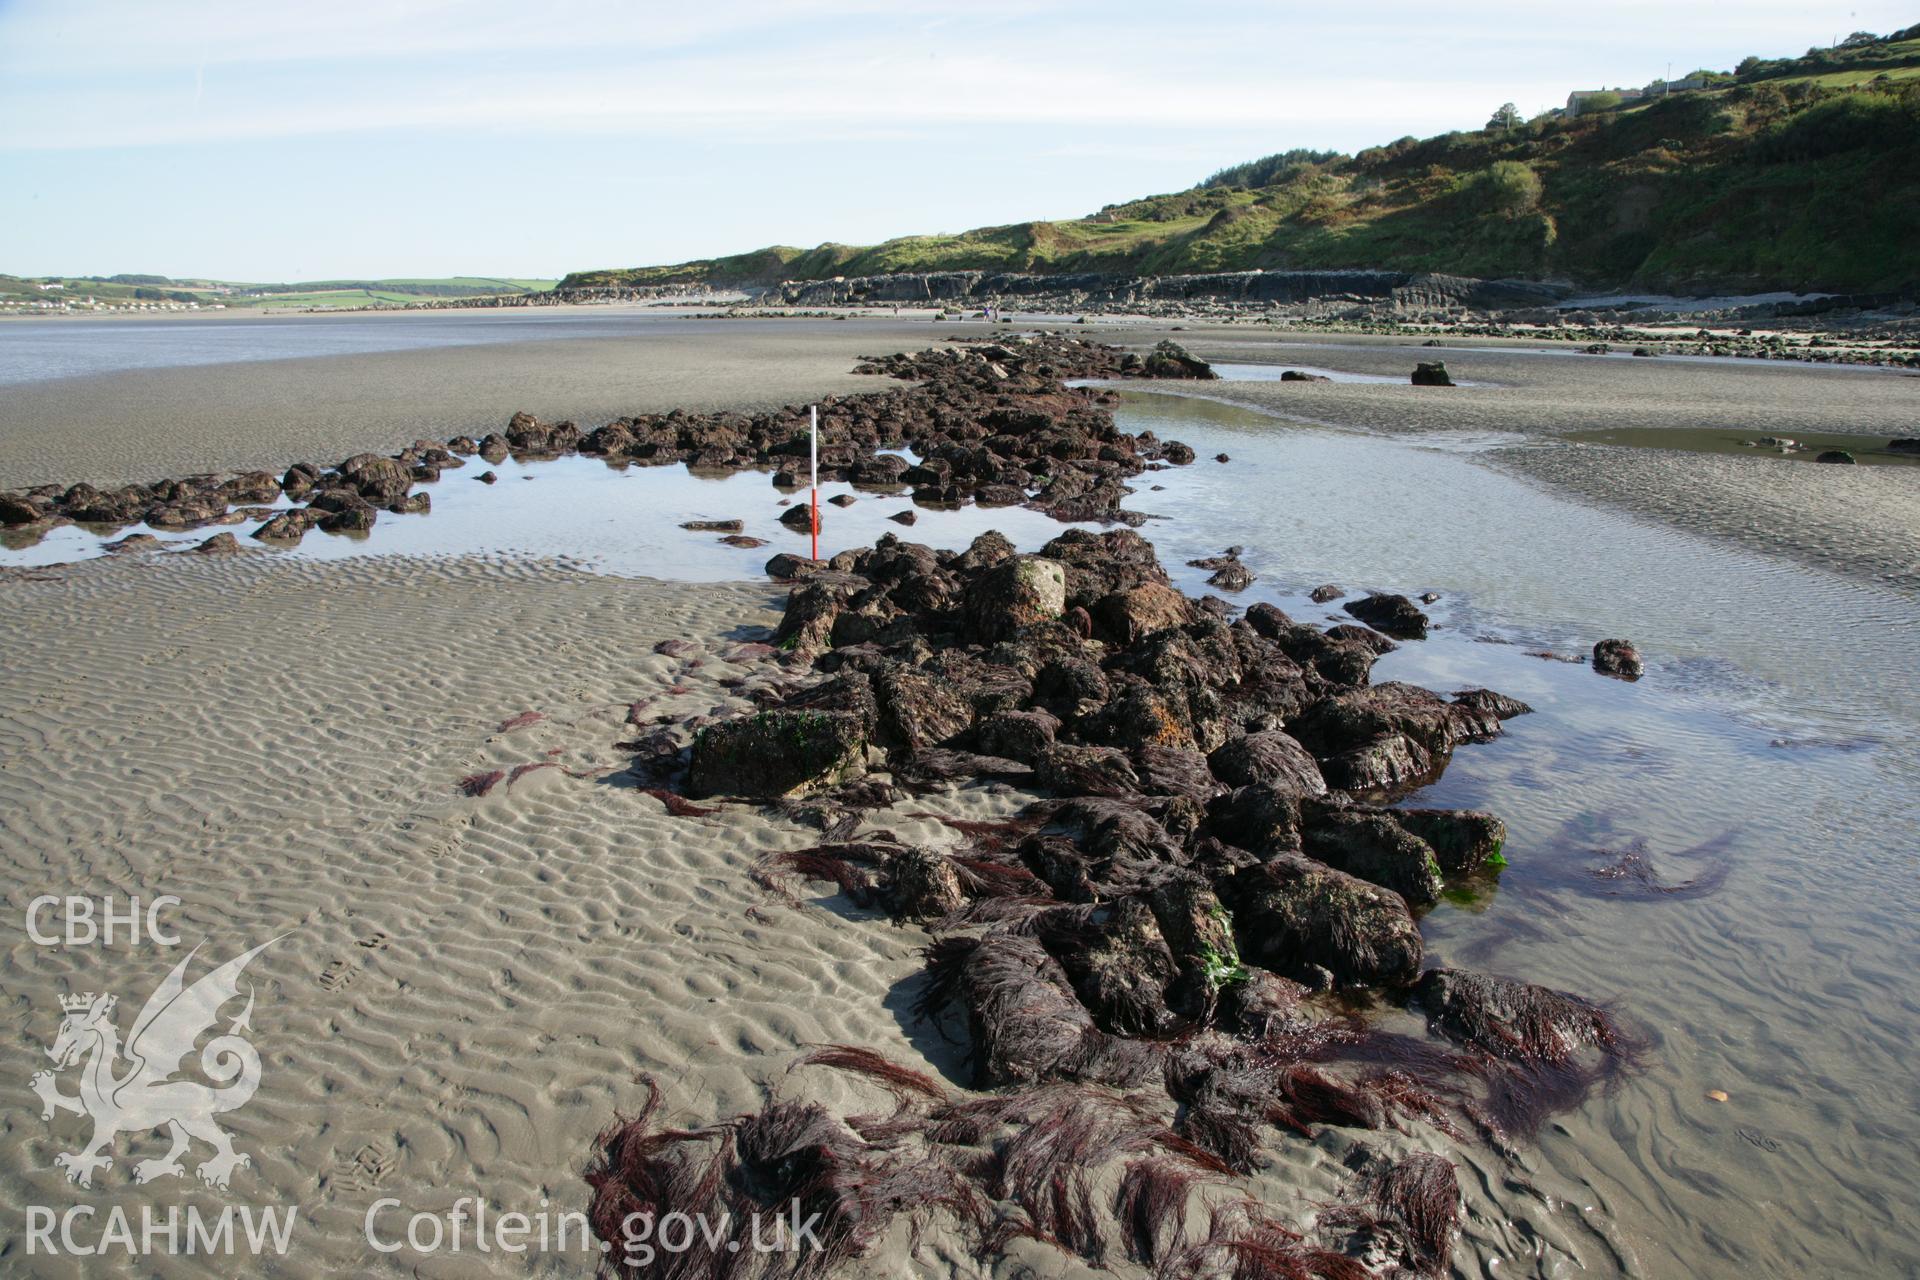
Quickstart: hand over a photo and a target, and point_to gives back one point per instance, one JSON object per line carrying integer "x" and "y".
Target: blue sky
{"x": 270, "y": 141}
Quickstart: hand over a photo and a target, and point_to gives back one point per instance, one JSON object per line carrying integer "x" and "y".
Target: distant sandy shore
{"x": 153, "y": 423}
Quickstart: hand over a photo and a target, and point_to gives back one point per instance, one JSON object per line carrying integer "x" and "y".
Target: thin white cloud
{"x": 101, "y": 73}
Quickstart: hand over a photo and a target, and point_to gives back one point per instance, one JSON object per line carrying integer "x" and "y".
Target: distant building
{"x": 1579, "y": 97}
{"x": 48, "y": 285}
{"x": 1659, "y": 87}
{"x": 1577, "y": 100}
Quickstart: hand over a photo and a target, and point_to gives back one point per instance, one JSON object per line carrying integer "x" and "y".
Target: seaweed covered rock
{"x": 1261, "y": 818}
{"x": 1619, "y": 659}
{"x": 813, "y": 606}
{"x": 1078, "y": 770}
{"x": 1014, "y": 594}
{"x": 1122, "y": 969}
{"x": 17, "y": 509}
{"x": 379, "y": 480}
{"x": 923, "y": 885}
{"x": 1025, "y": 1023}
{"x": 1497, "y": 705}
{"x": 1368, "y": 843}
{"x": 1461, "y": 839}
{"x": 1127, "y": 616}
{"x": 1101, "y": 564}
{"x": 1517, "y": 1021}
{"x": 1431, "y": 373}
{"x": 1293, "y": 914}
{"x": 288, "y": 526}
{"x": 1017, "y": 735}
{"x": 1392, "y": 614}
{"x": 1389, "y": 737}
{"x": 1273, "y": 757}
{"x": 919, "y": 710}
{"x": 777, "y": 753}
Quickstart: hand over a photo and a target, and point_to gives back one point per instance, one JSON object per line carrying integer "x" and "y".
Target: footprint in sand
{"x": 338, "y": 976}
{"x": 366, "y": 1169}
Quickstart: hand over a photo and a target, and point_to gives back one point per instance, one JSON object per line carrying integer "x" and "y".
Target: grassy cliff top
{"x": 1788, "y": 174}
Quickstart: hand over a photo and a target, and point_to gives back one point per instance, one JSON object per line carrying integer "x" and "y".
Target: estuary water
{"x": 35, "y": 350}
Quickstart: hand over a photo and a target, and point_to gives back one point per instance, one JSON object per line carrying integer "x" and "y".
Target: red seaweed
{"x": 478, "y": 784}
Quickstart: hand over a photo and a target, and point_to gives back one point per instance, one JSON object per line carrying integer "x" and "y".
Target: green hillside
{"x": 1783, "y": 174}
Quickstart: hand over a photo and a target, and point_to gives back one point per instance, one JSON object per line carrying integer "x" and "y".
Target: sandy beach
{"x": 466, "y": 990}
{"x": 483, "y": 979}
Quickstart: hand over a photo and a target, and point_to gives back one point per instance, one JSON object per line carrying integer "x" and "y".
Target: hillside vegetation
{"x": 1785, "y": 174}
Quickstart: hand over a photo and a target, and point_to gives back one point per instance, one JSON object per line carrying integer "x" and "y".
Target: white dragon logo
{"x": 146, "y": 1096}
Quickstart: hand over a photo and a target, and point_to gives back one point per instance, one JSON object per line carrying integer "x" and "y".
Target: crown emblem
{"x": 77, "y": 1004}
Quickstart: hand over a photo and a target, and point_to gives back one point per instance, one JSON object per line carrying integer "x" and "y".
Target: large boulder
{"x": 923, "y": 885}
{"x": 1389, "y": 737}
{"x": 1095, "y": 771}
{"x": 1012, "y": 594}
{"x": 1294, "y": 915}
{"x": 777, "y": 753}
{"x": 349, "y": 519}
{"x": 1169, "y": 359}
{"x": 250, "y": 486}
{"x": 527, "y": 434}
{"x": 1138, "y": 715}
{"x": 1174, "y": 771}
{"x": 1017, "y": 735}
{"x": 1431, "y": 373}
{"x": 288, "y": 526}
{"x": 812, "y": 609}
{"x": 1486, "y": 701}
{"x": 1026, "y": 1025}
{"x": 1260, "y": 818}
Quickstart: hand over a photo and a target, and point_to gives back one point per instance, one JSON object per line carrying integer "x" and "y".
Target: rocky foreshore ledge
{"x": 1165, "y": 968}
{"x": 1161, "y": 968}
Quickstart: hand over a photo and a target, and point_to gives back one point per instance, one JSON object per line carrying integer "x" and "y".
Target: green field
{"x": 1795, "y": 173}
{"x": 139, "y": 290}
